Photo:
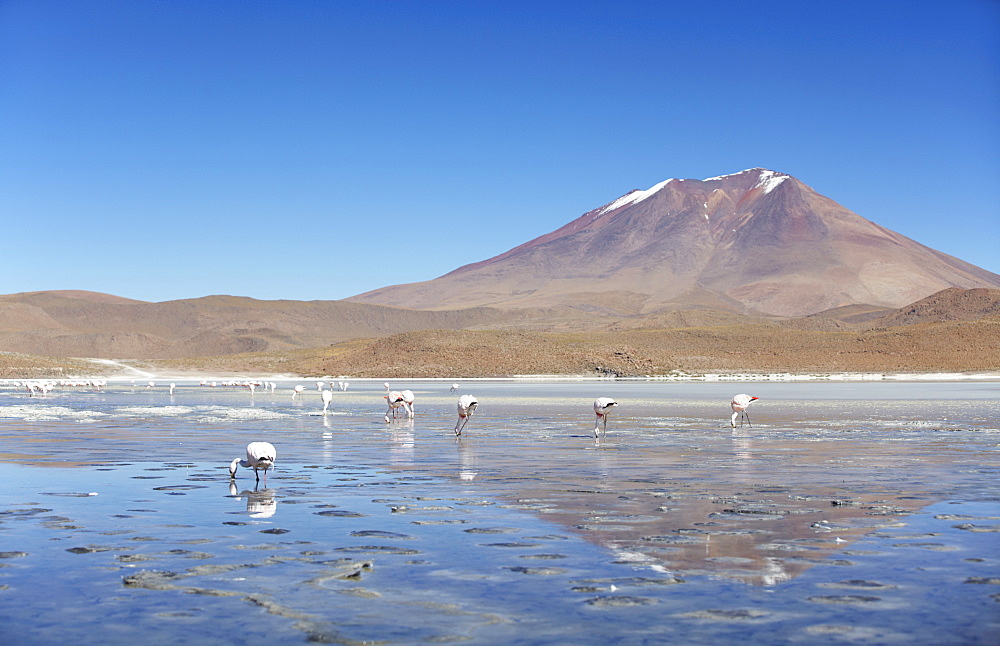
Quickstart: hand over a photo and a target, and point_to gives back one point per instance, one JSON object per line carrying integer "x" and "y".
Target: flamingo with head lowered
{"x": 602, "y": 407}
{"x": 260, "y": 455}
{"x": 739, "y": 405}
{"x": 466, "y": 407}
{"x": 407, "y": 396}
{"x": 395, "y": 400}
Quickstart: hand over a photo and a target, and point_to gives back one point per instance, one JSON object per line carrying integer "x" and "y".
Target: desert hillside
{"x": 87, "y": 324}
{"x": 928, "y": 347}
{"x": 954, "y": 330}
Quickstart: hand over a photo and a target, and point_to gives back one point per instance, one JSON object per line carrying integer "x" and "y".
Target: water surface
{"x": 848, "y": 512}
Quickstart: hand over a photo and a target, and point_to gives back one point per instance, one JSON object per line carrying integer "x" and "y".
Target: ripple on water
{"x": 538, "y": 571}
{"x": 619, "y": 601}
{"x": 981, "y": 529}
{"x": 340, "y": 513}
{"x": 860, "y": 634}
{"x": 845, "y": 599}
{"x": 858, "y": 584}
{"x": 377, "y": 549}
{"x": 381, "y": 534}
{"x": 491, "y": 530}
{"x": 728, "y": 615}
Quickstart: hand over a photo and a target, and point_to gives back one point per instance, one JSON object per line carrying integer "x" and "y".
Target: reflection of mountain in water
{"x": 740, "y": 509}
{"x": 762, "y": 535}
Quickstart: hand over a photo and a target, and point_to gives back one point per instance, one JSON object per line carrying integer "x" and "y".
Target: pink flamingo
{"x": 260, "y": 455}
{"x": 466, "y": 407}
{"x": 602, "y": 407}
{"x": 739, "y": 405}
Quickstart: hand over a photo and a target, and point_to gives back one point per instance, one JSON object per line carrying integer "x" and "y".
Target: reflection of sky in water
{"x": 849, "y": 508}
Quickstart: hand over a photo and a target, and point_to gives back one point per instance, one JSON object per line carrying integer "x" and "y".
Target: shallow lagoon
{"x": 848, "y": 512}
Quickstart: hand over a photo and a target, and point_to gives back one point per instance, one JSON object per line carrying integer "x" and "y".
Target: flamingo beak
{"x": 754, "y": 398}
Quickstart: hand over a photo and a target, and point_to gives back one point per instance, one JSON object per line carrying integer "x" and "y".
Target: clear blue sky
{"x": 165, "y": 149}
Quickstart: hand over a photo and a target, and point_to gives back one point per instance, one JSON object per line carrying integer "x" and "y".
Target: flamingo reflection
{"x": 260, "y": 504}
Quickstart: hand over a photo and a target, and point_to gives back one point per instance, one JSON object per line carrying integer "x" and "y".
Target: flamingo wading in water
{"x": 466, "y": 406}
{"x": 408, "y": 398}
{"x": 395, "y": 400}
{"x": 260, "y": 455}
{"x": 602, "y": 407}
{"x": 739, "y": 405}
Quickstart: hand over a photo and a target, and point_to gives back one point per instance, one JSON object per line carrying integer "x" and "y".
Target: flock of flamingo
{"x": 261, "y": 455}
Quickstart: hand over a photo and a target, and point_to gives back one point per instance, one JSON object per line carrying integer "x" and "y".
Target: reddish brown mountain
{"x": 754, "y": 242}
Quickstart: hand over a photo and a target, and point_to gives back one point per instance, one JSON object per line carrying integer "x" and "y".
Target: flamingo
{"x": 298, "y": 390}
{"x": 466, "y": 406}
{"x": 327, "y": 398}
{"x": 407, "y": 396}
{"x": 172, "y": 386}
{"x": 739, "y": 405}
{"x": 454, "y": 387}
{"x": 602, "y": 407}
{"x": 395, "y": 400}
{"x": 260, "y": 455}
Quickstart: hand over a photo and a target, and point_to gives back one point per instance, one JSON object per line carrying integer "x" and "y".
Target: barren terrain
{"x": 946, "y": 347}
{"x": 952, "y": 331}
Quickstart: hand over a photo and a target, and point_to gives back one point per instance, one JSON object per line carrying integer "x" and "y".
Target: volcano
{"x": 753, "y": 242}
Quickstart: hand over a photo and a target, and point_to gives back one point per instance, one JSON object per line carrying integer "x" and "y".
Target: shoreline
{"x": 134, "y": 375}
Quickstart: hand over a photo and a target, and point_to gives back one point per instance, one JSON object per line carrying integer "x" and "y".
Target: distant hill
{"x": 86, "y": 324}
{"x": 962, "y": 346}
{"x": 947, "y": 305}
{"x": 953, "y": 330}
{"x": 755, "y": 242}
